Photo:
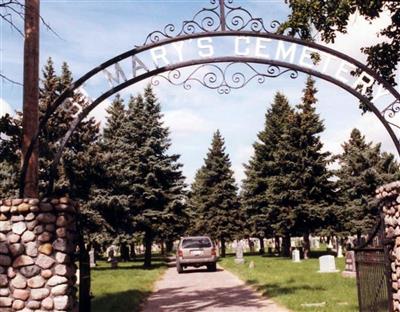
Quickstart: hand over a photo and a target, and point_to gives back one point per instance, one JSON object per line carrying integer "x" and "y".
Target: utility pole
{"x": 30, "y": 122}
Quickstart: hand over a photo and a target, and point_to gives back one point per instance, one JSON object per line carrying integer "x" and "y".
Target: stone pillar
{"x": 389, "y": 196}
{"x": 37, "y": 245}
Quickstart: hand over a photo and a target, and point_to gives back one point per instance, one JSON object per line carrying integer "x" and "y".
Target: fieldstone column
{"x": 389, "y": 196}
{"x": 37, "y": 245}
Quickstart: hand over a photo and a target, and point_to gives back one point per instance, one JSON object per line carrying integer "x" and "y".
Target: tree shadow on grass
{"x": 276, "y": 290}
{"x": 319, "y": 253}
{"x": 131, "y": 267}
{"x": 125, "y": 301}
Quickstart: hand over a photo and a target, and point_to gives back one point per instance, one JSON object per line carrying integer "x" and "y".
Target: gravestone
{"x": 239, "y": 253}
{"x": 350, "y": 265}
{"x": 112, "y": 258}
{"x": 251, "y": 264}
{"x": 312, "y": 242}
{"x": 340, "y": 251}
{"x": 91, "y": 258}
{"x": 317, "y": 244}
{"x": 327, "y": 264}
{"x": 296, "y": 255}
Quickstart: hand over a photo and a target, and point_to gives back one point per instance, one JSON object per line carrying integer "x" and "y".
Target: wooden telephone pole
{"x": 30, "y": 123}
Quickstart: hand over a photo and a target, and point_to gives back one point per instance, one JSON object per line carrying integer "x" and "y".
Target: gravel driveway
{"x": 199, "y": 290}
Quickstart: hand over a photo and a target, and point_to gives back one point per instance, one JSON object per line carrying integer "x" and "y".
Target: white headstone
{"x": 329, "y": 246}
{"x": 239, "y": 253}
{"x": 327, "y": 264}
{"x": 296, "y": 255}
{"x": 317, "y": 246}
{"x": 91, "y": 257}
{"x": 340, "y": 251}
{"x": 78, "y": 276}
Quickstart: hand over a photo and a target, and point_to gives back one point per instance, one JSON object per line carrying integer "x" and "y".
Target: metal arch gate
{"x": 374, "y": 280}
{"x": 225, "y": 20}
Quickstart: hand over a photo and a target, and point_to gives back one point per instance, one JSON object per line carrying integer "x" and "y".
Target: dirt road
{"x": 198, "y": 290}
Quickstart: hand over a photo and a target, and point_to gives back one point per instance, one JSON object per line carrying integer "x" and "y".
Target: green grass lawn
{"x": 125, "y": 288}
{"x": 292, "y": 284}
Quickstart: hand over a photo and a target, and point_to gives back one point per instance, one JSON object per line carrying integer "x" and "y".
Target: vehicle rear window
{"x": 196, "y": 243}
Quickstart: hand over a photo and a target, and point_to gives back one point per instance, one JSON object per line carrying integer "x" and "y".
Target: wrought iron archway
{"x": 221, "y": 20}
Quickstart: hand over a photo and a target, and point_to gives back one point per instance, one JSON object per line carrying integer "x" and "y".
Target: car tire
{"x": 212, "y": 267}
{"x": 179, "y": 268}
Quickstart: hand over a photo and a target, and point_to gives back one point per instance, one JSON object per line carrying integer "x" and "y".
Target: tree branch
{"x": 10, "y": 80}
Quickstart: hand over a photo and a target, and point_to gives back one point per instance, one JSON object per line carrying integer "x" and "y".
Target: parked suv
{"x": 196, "y": 251}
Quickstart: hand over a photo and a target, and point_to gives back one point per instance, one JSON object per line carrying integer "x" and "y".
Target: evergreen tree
{"x": 80, "y": 143}
{"x": 261, "y": 204}
{"x": 111, "y": 199}
{"x": 254, "y": 187}
{"x": 77, "y": 161}
{"x": 314, "y": 186}
{"x": 10, "y": 142}
{"x": 214, "y": 195}
{"x": 158, "y": 198}
{"x": 363, "y": 168}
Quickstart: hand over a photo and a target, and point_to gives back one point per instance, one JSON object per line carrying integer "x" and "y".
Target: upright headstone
{"x": 112, "y": 257}
{"x": 91, "y": 258}
{"x": 296, "y": 255}
{"x": 239, "y": 253}
{"x": 340, "y": 251}
{"x": 251, "y": 264}
{"x": 317, "y": 244}
{"x": 350, "y": 264}
{"x": 329, "y": 246}
{"x": 327, "y": 264}
{"x": 312, "y": 242}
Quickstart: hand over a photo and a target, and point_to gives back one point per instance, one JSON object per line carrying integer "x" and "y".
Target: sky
{"x": 89, "y": 32}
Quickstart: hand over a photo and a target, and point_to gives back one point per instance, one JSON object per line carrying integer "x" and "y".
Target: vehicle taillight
{"x": 180, "y": 253}
{"x": 213, "y": 252}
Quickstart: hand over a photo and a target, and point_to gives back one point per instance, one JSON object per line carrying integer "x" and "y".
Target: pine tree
{"x": 314, "y": 186}
{"x": 254, "y": 189}
{"x": 214, "y": 195}
{"x": 111, "y": 199}
{"x": 363, "y": 168}
{"x": 10, "y": 142}
{"x": 77, "y": 156}
{"x": 158, "y": 196}
{"x": 260, "y": 195}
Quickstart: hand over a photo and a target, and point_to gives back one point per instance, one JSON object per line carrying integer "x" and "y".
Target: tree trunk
{"x": 223, "y": 250}
{"x": 307, "y": 246}
{"x": 251, "y": 245}
{"x": 358, "y": 238}
{"x": 286, "y": 246}
{"x": 162, "y": 248}
{"x": 148, "y": 242}
{"x": 84, "y": 277}
{"x": 277, "y": 245}
{"x": 262, "y": 247}
{"x": 169, "y": 245}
